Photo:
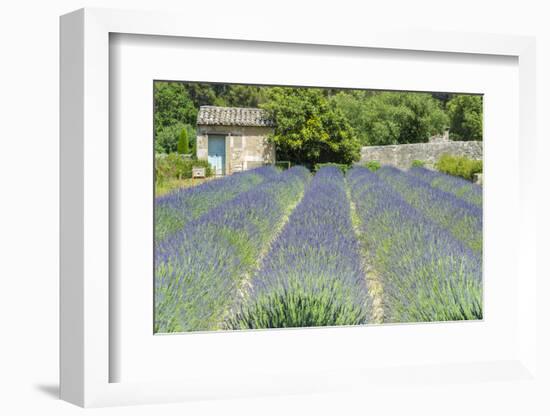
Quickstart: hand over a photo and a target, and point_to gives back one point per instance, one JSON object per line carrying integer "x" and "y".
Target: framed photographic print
{"x": 285, "y": 207}
{"x": 273, "y": 213}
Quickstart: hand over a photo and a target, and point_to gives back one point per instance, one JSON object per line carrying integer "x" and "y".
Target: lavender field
{"x": 271, "y": 249}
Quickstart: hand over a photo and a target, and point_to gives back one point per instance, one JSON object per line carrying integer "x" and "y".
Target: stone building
{"x": 234, "y": 139}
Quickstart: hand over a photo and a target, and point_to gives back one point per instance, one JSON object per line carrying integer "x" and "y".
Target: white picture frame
{"x": 85, "y": 352}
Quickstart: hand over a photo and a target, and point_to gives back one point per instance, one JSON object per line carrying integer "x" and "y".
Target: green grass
{"x": 169, "y": 185}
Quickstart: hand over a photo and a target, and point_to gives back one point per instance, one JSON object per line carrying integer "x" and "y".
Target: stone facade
{"x": 246, "y": 147}
{"x": 402, "y": 155}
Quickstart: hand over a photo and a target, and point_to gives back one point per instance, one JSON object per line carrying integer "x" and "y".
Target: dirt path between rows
{"x": 374, "y": 284}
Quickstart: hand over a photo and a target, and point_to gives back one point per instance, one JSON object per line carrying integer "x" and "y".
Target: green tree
{"x": 245, "y": 95}
{"x": 381, "y": 118}
{"x": 310, "y": 129}
{"x": 168, "y": 138}
{"x": 183, "y": 143}
{"x": 205, "y": 93}
{"x": 466, "y": 117}
{"x": 172, "y": 105}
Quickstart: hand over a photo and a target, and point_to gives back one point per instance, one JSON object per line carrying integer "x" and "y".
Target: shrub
{"x": 373, "y": 165}
{"x": 418, "y": 163}
{"x": 183, "y": 143}
{"x": 342, "y": 166}
{"x": 173, "y": 166}
{"x": 459, "y": 166}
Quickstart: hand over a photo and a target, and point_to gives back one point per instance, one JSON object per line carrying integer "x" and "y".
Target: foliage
{"x": 183, "y": 143}
{"x": 225, "y": 95}
{"x": 459, "y": 166}
{"x": 310, "y": 128}
{"x": 426, "y": 274}
{"x": 167, "y": 138}
{"x": 466, "y": 117}
{"x": 244, "y": 95}
{"x": 199, "y": 270}
{"x": 418, "y": 163}
{"x": 312, "y": 275}
{"x": 172, "y": 105}
{"x": 343, "y": 167}
{"x": 174, "y": 166}
{"x": 202, "y": 93}
{"x": 373, "y": 165}
{"x": 383, "y": 118}
{"x": 321, "y": 125}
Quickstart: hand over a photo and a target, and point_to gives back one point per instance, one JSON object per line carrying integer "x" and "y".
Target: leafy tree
{"x": 381, "y": 118}
{"x": 466, "y": 117}
{"x": 183, "y": 143}
{"x": 245, "y": 95}
{"x": 225, "y": 95}
{"x": 168, "y": 137}
{"x": 172, "y": 105}
{"x": 205, "y": 93}
{"x": 310, "y": 129}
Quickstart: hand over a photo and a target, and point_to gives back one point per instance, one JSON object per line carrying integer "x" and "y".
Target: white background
{"x": 29, "y": 209}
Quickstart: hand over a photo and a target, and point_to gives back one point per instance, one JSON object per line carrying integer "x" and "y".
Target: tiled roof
{"x": 233, "y": 116}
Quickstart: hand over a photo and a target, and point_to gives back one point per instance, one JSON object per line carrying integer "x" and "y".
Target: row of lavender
{"x": 312, "y": 275}
{"x": 429, "y": 269}
{"x": 174, "y": 210}
{"x": 461, "y": 218}
{"x": 201, "y": 268}
{"x": 459, "y": 187}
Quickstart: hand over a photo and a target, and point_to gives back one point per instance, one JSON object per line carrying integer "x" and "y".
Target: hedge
{"x": 459, "y": 166}
{"x": 342, "y": 166}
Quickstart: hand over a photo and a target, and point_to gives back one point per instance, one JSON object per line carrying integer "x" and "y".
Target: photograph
{"x": 299, "y": 207}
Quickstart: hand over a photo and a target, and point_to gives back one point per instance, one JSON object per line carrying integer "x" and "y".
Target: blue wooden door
{"x": 216, "y": 153}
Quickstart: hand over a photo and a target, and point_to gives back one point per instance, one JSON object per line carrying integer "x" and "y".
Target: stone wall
{"x": 402, "y": 155}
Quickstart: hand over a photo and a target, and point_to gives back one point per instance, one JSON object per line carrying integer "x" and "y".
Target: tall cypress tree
{"x": 183, "y": 143}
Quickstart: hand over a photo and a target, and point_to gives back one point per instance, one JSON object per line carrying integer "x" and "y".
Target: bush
{"x": 373, "y": 165}
{"x": 174, "y": 166}
{"x": 343, "y": 167}
{"x": 459, "y": 166}
{"x": 418, "y": 163}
